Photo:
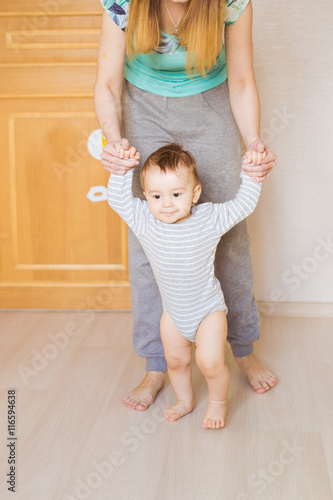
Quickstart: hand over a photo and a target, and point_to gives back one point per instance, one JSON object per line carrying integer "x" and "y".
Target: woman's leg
{"x": 147, "y": 310}
{"x": 205, "y": 125}
{"x": 146, "y": 307}
{"x": 178, "y": 353}
{"x": 218, "y": 154}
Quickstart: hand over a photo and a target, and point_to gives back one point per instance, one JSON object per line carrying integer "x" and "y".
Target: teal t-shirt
{"x": 162, "y": 71}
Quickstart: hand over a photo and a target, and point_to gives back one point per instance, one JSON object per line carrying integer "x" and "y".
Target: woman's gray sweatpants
{"x": 204, "y": 125}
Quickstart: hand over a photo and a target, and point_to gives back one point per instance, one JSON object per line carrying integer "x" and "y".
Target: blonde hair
{"x": 171, "y": 157}
{"x": 200, "y": 31}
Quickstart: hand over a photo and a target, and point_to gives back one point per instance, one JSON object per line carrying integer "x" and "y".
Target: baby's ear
{"x": 196, "y": 193}
{"x": 144, "y": 194}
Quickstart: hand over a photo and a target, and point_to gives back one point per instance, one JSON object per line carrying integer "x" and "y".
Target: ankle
{"x": 154, "y": 374}
{"x": 185, "y": 403}
{"x": 221, "y": 402}
{"x": 156, "y": 377}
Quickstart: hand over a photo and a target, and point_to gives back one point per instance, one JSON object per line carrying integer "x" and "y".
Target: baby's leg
{"x": 210, "y": 340}
{"x": 178, "y": 353}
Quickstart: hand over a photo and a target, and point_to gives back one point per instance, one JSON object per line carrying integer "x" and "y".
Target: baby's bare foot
{"x": 215, "y": 414}
{"x": 257, "y": 374}
{"x": 145, "y": 393}
{"x": 178, "y": 410}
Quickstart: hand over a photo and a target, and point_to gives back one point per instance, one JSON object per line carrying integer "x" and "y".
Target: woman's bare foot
{"x": 178, "y": 410}
{"x": 257, "y": 374}
{"x": 215, "y": 414}
{"x": 145, "y": 393}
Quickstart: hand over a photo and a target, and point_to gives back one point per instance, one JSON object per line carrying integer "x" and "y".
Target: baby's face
{"x": 170, "y": 195}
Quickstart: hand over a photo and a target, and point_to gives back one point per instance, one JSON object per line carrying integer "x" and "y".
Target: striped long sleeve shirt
{"x": 182, "y": 255}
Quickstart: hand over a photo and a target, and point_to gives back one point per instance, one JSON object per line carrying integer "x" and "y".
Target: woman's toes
{"x": 262, "y": 387}
{"x": 140, "y": 407}
{"x": 145, "y": 401}
{"x": 141, "y": 404}
{"x": 132, "y": 401}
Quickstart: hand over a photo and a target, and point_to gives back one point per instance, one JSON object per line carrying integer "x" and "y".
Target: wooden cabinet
{"x": 59, "y": 250}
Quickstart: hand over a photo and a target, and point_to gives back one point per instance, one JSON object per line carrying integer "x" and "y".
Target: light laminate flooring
{"x": 76, "y": 440}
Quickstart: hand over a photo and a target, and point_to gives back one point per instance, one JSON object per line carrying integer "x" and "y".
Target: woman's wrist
{"x": 111, "y": 130}
{"x": 112, "y": 138}
{"x": 251, "y": 140}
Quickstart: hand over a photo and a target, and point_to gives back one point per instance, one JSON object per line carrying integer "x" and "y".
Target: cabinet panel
{"x": 58, "y": 248}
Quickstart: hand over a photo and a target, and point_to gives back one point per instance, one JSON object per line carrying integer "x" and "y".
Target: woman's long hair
{"x": 200, "y": 31}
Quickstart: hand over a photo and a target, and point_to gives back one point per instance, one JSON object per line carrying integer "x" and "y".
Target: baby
{"x": 180, "y": 241}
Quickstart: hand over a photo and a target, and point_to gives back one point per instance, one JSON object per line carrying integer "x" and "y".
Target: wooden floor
{"x": 76, "y": 440}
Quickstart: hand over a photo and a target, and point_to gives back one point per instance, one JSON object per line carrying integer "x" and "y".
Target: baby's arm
{"x": 233, "y": 211}
{"x": 119, "y": 195}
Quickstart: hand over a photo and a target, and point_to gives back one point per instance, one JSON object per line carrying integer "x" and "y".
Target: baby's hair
{"x": 171, "y": 157}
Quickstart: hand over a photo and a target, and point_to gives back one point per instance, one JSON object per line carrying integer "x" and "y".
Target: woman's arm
{"x": 107, "y": 93}
{"x": 243, "y": 91}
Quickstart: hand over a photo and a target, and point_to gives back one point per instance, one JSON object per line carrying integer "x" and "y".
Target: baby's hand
{"x": 127, "y": 154}
{"x": 253, "y": 157}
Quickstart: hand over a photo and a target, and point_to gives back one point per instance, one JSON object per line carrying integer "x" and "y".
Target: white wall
{"x": 293, "y": 48}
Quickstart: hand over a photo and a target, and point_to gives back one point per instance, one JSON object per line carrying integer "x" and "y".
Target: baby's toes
{"x": 132, "y": 400}
{"x": 216, "y": 424}
{"x": 128, "y": 404}
{"x": 220, "y": 423}
{"x": 168, "y": 415}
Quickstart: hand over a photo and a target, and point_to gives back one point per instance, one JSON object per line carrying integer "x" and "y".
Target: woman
{"x": 164, "y": 79}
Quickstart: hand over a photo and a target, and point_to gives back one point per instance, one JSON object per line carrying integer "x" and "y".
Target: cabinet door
{"x": 59, "y": 249}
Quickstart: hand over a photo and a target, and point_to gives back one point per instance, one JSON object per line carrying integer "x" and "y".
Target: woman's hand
{"x": 262, "y": 159}
{"x": 118, "y": 157}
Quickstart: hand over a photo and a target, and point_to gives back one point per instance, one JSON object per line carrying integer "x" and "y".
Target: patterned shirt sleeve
{"x": 226, "y": 215}
{"x": 118, "y": 11}
{"x": 134, "y": 211}
{"x": 233, "y": 10}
